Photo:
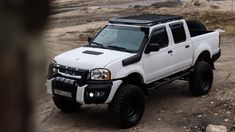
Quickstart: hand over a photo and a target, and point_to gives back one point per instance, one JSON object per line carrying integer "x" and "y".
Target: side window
{"x": 178, "y": 32}
{"x": 160, "y": 37}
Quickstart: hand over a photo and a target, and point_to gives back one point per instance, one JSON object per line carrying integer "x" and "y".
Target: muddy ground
{"x": 172, "y": 108}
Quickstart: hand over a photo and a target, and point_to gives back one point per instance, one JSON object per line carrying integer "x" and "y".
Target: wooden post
{"x": 22, "y": 62}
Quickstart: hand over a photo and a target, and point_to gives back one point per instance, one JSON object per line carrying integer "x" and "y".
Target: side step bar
{"x": 181, "y": 75}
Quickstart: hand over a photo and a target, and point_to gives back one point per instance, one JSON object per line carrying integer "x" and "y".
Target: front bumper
{"x": 93, "y": 92}
{"x": 97, "y": 92}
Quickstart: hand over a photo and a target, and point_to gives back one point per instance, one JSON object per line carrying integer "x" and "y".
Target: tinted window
{"x": 178, "y": 32}
{"x": 160, "y": 37}
{"x": 123, "y": 37}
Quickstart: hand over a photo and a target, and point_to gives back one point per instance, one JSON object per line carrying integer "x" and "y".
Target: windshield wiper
{"x": 97, "y": 44}
{"x": 120, "y": 48}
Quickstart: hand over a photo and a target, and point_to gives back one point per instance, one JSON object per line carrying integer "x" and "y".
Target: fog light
{"x": 91, "y": 95}
{"x": 54, "y": 70}
{"x": 99, "y": 94}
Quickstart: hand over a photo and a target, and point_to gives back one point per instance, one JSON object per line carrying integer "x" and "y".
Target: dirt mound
{"x": 201, "y": 3}
{"x": 169, "y": 4}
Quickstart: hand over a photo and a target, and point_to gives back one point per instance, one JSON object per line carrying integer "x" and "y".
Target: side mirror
{"x": 152, "y": 47}
{"x": 89, "y": 39}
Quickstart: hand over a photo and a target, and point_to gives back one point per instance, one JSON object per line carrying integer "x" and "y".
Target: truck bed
{"x": 208, "y": 38}
{"x": 197, "y": 32}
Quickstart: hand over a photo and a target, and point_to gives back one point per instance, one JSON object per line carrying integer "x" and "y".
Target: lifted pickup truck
{"x": 128, "y": 59}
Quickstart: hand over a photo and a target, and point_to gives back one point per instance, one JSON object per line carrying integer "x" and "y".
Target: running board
{"x": 167, "y": 80}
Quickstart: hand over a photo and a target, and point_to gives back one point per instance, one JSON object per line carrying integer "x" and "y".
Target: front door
{"x": 157, "y": 64}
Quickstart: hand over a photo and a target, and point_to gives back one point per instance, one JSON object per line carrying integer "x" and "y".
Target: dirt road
{"x": 171, "y": 109}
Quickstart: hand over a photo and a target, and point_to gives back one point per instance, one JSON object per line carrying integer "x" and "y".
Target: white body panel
{"x": 181, "y": 56}
{"x": 152, "y": 66}
{"x": 206, "y": 42}
{"x": 49, "y": 86}
{"x": 114, "y": 88}
{"x": 80, "y": 94}
{"x": 156, "y": 64}
{"x": 77, "y": 59}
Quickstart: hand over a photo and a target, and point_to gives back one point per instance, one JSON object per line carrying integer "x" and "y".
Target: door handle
{"x": 170, "y": 51}
{"x": 187, "y": 46}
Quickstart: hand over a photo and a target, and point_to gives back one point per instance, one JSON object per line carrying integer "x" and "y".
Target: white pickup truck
{"x": 128, "y": 59}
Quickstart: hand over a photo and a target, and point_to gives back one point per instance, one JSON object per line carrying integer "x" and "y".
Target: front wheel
{"x": 201, "y": 79}
{"x": 128, "y": 105}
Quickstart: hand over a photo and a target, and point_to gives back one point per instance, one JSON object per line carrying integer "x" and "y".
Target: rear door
{"x": 182, "y": 49}
{"x": 157, "y": 64}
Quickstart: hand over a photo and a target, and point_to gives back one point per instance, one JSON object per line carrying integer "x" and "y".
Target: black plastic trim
{"x": 92, "y": 52}
{"x": 151, "y": 35}
{"x": 129, "y": 21}
{"x": 137, "y": 57}
{"x": 216, "y": 56}
{"x": 97, "y": 87}
{"x": 177, "y": 24}
{"x": 145, "y": 19}
{"x": 104, "y": 81}
{"x": 64, "y": 87}
{"x": 131, "y": 60}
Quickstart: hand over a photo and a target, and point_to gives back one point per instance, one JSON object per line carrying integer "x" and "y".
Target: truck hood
{"x": 90, "y": 58}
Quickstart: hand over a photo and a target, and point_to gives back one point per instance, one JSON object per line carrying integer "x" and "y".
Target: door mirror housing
{"x": 89, "y": 39}
{"x": 152, "y": 47}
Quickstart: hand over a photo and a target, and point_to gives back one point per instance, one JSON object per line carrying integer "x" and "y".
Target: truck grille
{"x": 66, "y": 81}
{"x": 69, "y": 70}
{"x": 78, "y": 75}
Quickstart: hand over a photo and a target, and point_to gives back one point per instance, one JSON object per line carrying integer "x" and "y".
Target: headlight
{"x": 100, "y": 74}
{"x": 54, "y": 64}
{"x": 52, "y": 70}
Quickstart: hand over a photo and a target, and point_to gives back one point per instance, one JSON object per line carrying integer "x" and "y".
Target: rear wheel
{"x": 66, "y": 105}
{"x": 201, "y": 79}
{"x": 128, "y": 105}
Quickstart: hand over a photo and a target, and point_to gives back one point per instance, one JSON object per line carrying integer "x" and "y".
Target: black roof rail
{"x": 145, "y": 19}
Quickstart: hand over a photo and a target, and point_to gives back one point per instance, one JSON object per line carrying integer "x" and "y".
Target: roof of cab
{"x": 145, "y": 19}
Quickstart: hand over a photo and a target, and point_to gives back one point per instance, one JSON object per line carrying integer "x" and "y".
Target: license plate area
{"x": 63, "y": 90}
{"x": 63, "y": 93}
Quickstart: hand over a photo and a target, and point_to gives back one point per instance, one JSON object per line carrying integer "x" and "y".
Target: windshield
{"x": 120, "y": 38}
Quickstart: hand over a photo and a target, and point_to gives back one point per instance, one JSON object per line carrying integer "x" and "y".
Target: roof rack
{"x": 145, "y": 19}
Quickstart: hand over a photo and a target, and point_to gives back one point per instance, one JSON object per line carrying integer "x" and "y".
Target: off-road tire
{"x": 128, "y": 105}
{"x": 201, "y": 79}
{"x": 195, "y": 24}
{"x": 66, "y": 105}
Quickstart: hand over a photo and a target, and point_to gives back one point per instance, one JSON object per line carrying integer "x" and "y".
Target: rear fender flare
{"x": 200, "y": 49}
